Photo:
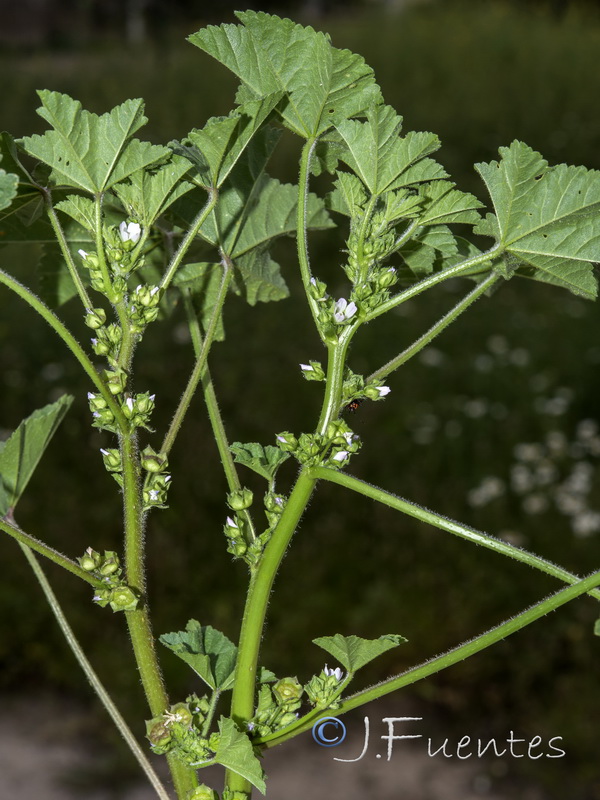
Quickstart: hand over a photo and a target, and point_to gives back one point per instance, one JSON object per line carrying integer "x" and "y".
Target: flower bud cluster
{"x": 277, "y": 706}
{"x": 322, "y": 688}
{"x": 114, "y": 591}
{"x": 103, "y": 416}
{"x": 158, "y": 479}
{"x": 203, "y": 792}
{"x": 331, "y": 449}
{"x": 107, "y": 341}
{"x": 142, "y": 307}
{"x": 356, "y": 388}
{"x": 92, "y": 264}
{"x": 137, "y": 410}
{"x": 234, "y": 533}
{"x": 178, "y": 731}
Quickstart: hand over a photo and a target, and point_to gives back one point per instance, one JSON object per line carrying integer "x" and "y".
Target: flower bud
{"x": 90, "y": 560}
{"x": 240, "y": 499}
{"x": 287, "y": 690}
{"x": 376, "y": 392}
{"x": 95, "y": 318}
{"x": 313, "y": 371}
{"x": 274, "y": 503}
{"x": 123, "y": 598}
{"x": 203, "y": 792}
{"x": 152, "y": 461}
{"x": 110, "y": 564}
{"x": 287, "y": 442}
{"x": 112, "y": 459}
{"x": 116, "y": 379}
{"x": 386, "y": 278}
{"x": 182, "y": 712}
{"x": 157, "y": 732}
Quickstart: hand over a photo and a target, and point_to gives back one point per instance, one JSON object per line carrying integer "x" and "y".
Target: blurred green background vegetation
{"x": 494, "y": 425}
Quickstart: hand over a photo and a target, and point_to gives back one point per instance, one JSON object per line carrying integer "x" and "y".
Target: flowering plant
{"x": 145, "y": 231}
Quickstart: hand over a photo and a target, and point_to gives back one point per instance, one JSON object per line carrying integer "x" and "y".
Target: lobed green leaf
{"x": 353, "y": 652}
{"x": 235, "y": 752}
{"x": 87, "y": 151}
{"x": 323, "y": 84}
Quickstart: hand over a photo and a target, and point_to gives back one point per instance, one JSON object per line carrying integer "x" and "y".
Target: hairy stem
{"x": 435, "y": 330}
{"x": 459, "y": 653}
{"x": 93, "y": 678}
{"x": 63, "y": 332}
{"x": 446, "y": 524}
{"x": 50, "y": 553}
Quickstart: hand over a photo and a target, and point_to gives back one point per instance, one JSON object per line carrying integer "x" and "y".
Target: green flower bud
{"x": 90, "y": 560}
{"x": 158, "y": 734}
{"x": 95, "y": 318}
{"x": 274, "y": 503}
{"x": 287, "y": 442}
{"x": 144, "y": 403}
{"x": 287, "y": 719}
{"x": 203, "y": 792}
{"x": 112, "y": 459}
{"x": 123, "y": 598}
{"x": 317, "y": 290}
{"x": 376, "y": 392}
{"x": 214, "y": 740}
{"x": 116, "y": 379}
{"x": 110, "y": 564}
{"x": 182, "y": 712}
{"x": 313, "y": 371}
{"x": 386, "y": 277}
{"x": 152, "y": 461}
{"x": 240, "y": 499}
{"x": 287, "y": 690}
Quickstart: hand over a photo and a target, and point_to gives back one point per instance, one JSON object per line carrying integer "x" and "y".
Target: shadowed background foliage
{"x": 494, "y": 425}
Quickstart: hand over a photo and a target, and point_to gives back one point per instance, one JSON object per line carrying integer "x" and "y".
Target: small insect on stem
{"x": 353, "y": 405}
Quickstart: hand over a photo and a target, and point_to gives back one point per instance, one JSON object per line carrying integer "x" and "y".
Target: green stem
{"x": 214, "y": 414}
{"x": 138, "y": 621}
{"x": 187, "y": 240}
{"x": 261, "y": 582}
{"x": 335, "y": 378}
{"x": 461, "y": 652}
{"x": 108, "y": 288}
{"x": 50, "y": 553}
{"x": 438, "y": 277}
{"x": 301, "y": 226}
{"x": 92, "y": 677}
{"x": 68, "y": 338}
{"x": 64, "y": 247}
{"x": 361, "y": 238}
{"x": 436, "y": 329}
{"x": 446, "y": 524}
{"x": 201, "y": 359}
{"x": 212, "y": 707}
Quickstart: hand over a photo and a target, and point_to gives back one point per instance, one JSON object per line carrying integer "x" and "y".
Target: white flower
{"x": 343, "y": 310}
{"x": 231, "y": 523}
{"x": 340, "y": 456}
{"x": 129, "y": 403}
{"x": 83, "y": 254}
{"x": 306, "y": 367}
{"x": 153, "y": 494}
{"x": 336, "y": 673}
{"x": 91, "y": 395}
{"x": 383, "y": 390}
{"x": 130, "y": 232}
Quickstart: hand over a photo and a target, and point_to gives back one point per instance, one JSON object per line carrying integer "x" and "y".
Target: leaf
{"x": 324, "y": 85}
{"x": 146, "y": 195}
{"x": 252, "y": 215}
{"x": 81, "y": 209}
{"x": 21, "y": 452}
{"x": 548, "y": 217}
{"x": 235, "y": 752}
{"x": 349, "y": 196}
{"x": 203, "y": 280}
{"x": 445, "y": 204}
{"x": 207, "y": 651}
{"x": 89, "y": 152}
{"x": 56, "y": 285}
{"x": 263, "y": 460}
{"x": 262, "y": 277}
{"x": 383, "y": 159}
{"x": 8, "y": 188}
{"x": 353, "y": 652}
{"x": 216, "y": 148}
{"x": 430, "y": 248}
